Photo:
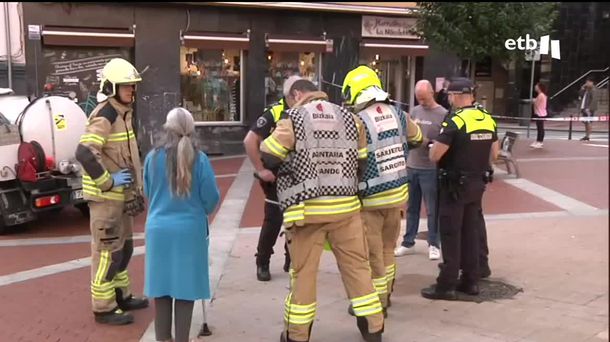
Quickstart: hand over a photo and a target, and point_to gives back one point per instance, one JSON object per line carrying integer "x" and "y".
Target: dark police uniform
{"x": 272, "y": 222}
{"x": 469, "y": 133}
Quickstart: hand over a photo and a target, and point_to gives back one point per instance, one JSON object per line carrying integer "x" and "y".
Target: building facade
{"x": 225, "y": 62}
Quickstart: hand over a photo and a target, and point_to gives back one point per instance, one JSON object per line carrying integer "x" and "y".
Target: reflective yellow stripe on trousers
{"x": 389, "y": 197}
{"x": 366, "y": 305}
{"x": 298, "y": 314}
{"x": 101, "y": 289}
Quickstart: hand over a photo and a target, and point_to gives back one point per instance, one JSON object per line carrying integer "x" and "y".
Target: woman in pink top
{"x": 539, "y": 112}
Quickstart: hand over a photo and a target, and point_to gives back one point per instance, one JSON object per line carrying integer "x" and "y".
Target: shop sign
{"x": 385, "y": 27}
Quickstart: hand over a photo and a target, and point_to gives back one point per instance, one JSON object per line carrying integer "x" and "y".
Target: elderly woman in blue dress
{"x": 181, "y": 188}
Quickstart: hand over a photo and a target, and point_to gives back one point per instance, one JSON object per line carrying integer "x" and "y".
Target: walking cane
{"x": 205, "y": 330}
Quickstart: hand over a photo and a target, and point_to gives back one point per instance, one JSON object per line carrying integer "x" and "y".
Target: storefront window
{"x": 393, "y": 72}
{"x": 74, "y": 72}
{"x": 283, "y": 64}
{"x": 211, "y": 84}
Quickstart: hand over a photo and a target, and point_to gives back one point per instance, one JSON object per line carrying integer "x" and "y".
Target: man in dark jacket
{"x": 588, "y": 105}
{"x": 442, "y": 98}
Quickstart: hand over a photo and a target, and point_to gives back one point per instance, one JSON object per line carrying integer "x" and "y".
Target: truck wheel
{"x": 84, "y": 209}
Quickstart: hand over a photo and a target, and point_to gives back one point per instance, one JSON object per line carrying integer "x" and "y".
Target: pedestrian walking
{"x": 588, "y": 97}
{"x": 539, "y": 113}
{"x": 181, "y": 188}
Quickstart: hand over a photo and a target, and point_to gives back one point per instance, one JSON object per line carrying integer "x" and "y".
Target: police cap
{"x": 460, "y": 85}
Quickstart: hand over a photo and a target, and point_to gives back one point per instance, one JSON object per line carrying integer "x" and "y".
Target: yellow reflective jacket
{"x": 109, "y": 145}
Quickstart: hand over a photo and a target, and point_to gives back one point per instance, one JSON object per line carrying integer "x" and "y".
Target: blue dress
{"x": 177, "y": 232}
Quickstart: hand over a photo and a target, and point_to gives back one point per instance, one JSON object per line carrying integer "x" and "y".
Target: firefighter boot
{"x": 130, "y": 303}
{"x": 283, "y": 338}
{"x": 363, "y": 326}
{"x": 114, "y": 317}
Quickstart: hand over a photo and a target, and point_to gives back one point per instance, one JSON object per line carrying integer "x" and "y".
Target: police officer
{"x": 318, "y": 150}
{"x": 272, "y": 222}
{"x": 112, "y": 184}
{"x": 467, "y": 143}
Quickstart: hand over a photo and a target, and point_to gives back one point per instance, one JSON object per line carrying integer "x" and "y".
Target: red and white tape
{"x": 569, "y": 118}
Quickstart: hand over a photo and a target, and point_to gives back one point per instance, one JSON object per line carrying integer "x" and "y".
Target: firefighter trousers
{"x": 382, "y": 228}
{"x": 111, "y": 250}
{"x": 350, "y": 249}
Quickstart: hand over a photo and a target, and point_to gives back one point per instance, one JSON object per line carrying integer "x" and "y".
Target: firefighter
{"x": 383, "y": 189}
{"x": 318, "y": 150}
{"x": 112, "y": 184}
{"x": 467, "y": 143}
{"x": 272, "y": 222}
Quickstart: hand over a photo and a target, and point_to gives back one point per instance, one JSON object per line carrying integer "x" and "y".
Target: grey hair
{"x": 180, "y": 150}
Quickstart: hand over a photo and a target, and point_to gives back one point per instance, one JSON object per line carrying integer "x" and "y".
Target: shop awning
{"x": 80, "y": 36}
{"x": 215, "y": 40}
{"x": 401, "y": 47}
{"x": 299, "y": 44}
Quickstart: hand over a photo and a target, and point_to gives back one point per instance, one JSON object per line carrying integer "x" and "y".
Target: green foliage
{"x": 474, "y": 30}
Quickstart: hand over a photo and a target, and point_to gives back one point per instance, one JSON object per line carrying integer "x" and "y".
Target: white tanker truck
{"x": 38, "y": 170}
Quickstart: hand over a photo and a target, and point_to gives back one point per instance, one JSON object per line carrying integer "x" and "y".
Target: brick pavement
{"x": 561, "y": 262}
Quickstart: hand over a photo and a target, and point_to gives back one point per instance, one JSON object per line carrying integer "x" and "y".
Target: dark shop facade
{"x": 224, "y": 62}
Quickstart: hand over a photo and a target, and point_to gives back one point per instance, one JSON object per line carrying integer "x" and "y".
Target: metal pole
{"x": 531, "y": 93}
{"x": 570, "y": 129}
{"x": 411, "y": 82}
{"x": 9, "y": 53}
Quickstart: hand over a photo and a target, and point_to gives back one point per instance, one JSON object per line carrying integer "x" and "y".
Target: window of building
{"x": 73, "y": 57}
{"x": 283, "y": 64}
{"x": 211, "y": 83}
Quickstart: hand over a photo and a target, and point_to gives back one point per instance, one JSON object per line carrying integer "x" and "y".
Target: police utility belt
{"x": 453, "y": 180}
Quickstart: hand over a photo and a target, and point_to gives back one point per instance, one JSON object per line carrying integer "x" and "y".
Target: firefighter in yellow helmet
{"x": 315, "y": 151}
{"x": 112, "y": 184}
{"x": 383, "y": 189}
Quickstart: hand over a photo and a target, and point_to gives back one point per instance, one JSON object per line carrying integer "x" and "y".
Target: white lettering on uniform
{"x": 481, "y": 136}
{"x": 327, "y": 154}
{"x": 323, "y": 116}
{"x": 329, "y": 170}
{"x": 392, "y": 166}
{"x": 382, "y": 121}
{"x": 389, "y": 152}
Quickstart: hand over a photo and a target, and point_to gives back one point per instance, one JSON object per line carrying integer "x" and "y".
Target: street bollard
{"x": 570, "y": 128}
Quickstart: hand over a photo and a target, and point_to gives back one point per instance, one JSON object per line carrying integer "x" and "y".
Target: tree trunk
{"x": 471, "y": 65}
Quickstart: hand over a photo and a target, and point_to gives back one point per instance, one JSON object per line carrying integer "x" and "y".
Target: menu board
{"x": 75, "y": 72}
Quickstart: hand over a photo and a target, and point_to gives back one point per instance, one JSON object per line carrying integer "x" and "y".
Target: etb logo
{"x": 532, "y": 44}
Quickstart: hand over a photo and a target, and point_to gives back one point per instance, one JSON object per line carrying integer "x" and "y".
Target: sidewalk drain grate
{"x": 491, "y": 290}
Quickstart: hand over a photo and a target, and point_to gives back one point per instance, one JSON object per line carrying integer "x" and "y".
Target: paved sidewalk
{"x": 561, "y": 263}
{"x": 548, "y": 235}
